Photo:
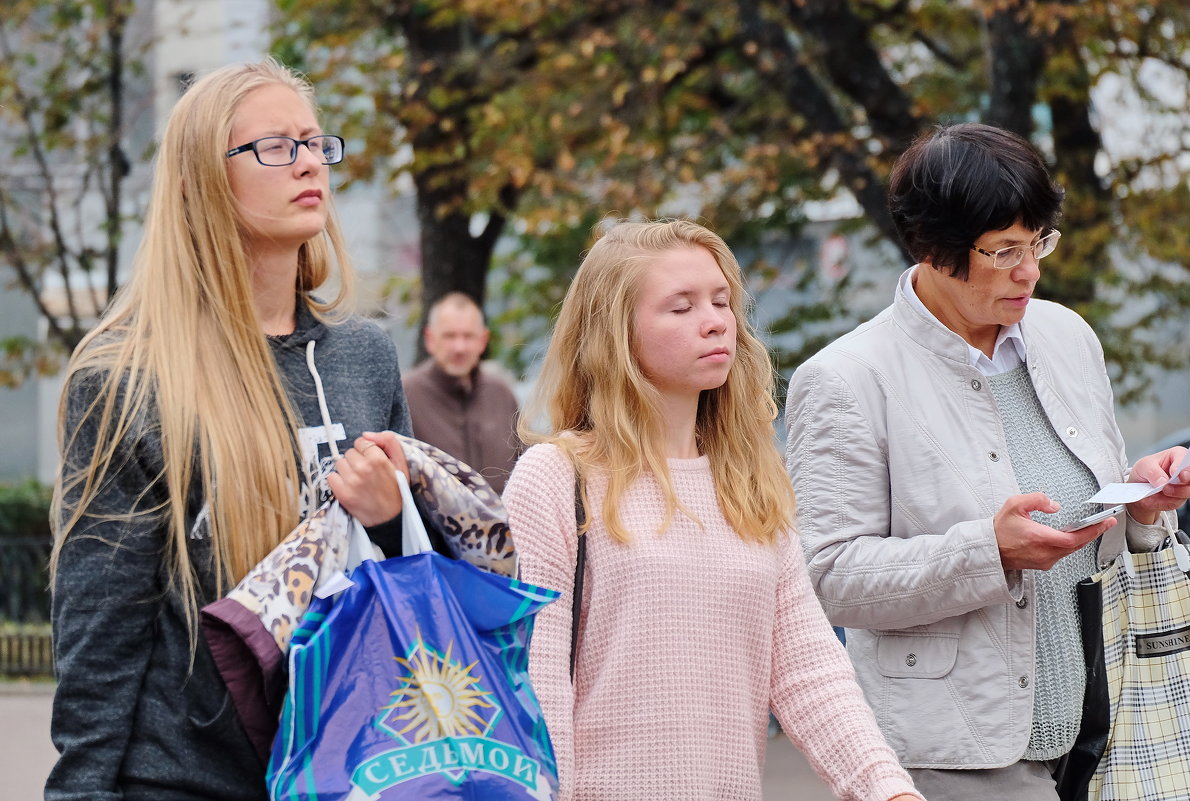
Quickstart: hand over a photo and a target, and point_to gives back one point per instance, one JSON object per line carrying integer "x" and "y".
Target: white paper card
{"x": 1131, "y": 492}
{"x": 1123, "y": 493}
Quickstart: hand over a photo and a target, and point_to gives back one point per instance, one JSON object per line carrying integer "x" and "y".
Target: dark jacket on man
{"x": 472, "y": 419}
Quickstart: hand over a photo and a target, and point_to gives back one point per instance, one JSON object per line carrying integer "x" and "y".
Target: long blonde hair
{"x": 605, "y": 414}
{"x": 182, "y": 350}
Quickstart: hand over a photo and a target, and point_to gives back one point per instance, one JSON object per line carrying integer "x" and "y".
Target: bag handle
{"x": 414, "y": 538}
{"x": 580, "y": 564}
{"x": 1178, "y": 542}
{"x": 360, "y": 549}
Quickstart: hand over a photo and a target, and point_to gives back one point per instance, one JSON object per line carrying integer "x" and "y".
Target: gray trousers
{"x": 1024, "y": 781}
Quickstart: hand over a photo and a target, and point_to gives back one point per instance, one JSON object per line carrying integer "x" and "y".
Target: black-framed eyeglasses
{"x": 281, "y": 151}
{"x": 1007, "y": 258}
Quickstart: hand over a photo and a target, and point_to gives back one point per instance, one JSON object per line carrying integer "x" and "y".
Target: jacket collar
{"x": 453, "y": 384}
{"x": 1009, "y": 351}
{"x": 924, "y": 330}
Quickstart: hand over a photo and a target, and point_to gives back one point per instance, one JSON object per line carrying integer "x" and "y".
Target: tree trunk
{"x": 856, "y": 69}
{"x": 778, "y": 60}
{"x": 452, "y": 260}
{"x": 117, "y": 161}
{"x": 1072, "y": 279}
{"x": 1015, "y": 58}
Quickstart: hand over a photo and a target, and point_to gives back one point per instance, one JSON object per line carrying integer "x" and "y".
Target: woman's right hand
{"x": 364, "y": 481}
{"x": 1026, "y": 544}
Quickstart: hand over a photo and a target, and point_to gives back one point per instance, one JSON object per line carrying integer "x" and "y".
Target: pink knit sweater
{"x": 687, "y": 638}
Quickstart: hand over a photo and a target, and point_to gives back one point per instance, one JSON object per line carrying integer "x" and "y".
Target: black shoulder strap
{"x": 576, "y": 602}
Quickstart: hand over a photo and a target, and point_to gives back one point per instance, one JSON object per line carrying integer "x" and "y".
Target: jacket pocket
{"x": 916, "y": 656}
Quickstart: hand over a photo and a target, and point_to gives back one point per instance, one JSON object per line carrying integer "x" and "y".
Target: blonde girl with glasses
{"x": 195, "y": 428}
{"x": 696, "y": 613}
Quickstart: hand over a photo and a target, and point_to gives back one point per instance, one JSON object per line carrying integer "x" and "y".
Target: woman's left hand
{"x": 365, "y": 481}
{"x": 1154, "y": 469}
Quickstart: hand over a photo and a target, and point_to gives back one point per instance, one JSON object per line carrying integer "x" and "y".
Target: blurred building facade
{"x": 187, "y": 38}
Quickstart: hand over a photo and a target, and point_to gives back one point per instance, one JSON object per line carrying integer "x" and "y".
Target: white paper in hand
{"x": 1134, "y": 491}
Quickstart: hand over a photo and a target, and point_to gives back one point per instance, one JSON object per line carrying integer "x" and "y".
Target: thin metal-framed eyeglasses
{"x": 1007, "y": 258}
{"x": 281, "y": 151}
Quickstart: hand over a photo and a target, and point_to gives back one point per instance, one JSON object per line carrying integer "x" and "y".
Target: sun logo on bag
{"x": 438, "y": 697}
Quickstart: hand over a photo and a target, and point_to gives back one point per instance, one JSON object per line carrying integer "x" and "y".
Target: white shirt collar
{"x": 1004, "y": 358}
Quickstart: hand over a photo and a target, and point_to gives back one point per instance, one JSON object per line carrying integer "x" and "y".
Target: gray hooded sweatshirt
{"x": 136, "y": 714}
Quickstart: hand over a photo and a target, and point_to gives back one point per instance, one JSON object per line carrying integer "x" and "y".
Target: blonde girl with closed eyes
{"x": 697, "y": 615}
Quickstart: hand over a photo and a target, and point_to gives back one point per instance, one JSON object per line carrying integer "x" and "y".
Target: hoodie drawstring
{"x": 326, "y": 415}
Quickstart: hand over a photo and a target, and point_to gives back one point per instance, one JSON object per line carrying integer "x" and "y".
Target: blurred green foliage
{"x": 71, "y": 83}
{"x": 521, "y": 125}
{"x": 541, "y": 119}
{"x": 25, "y": 510}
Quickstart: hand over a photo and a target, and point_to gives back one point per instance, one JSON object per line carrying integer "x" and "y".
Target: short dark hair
{"x": 957, "y": 182}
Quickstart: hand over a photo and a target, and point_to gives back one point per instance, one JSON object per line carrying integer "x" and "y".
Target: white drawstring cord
{"x": 326, "y": 415}
{"x": 327, "y": 426}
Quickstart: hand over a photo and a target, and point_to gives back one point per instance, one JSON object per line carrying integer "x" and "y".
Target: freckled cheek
{"x": 978, "y": 294}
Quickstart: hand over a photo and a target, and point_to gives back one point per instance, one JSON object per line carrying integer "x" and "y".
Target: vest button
{"x": 976, "y": 384}
{"x": 911, "y": 660}
{"x": 1023, "y": 681}
{"x": 1022, "y": 603}
{"x": 995, "y": 457}
{"x": 1072, "y": 431}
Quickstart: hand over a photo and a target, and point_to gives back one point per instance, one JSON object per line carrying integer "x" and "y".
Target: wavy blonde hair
{"x": 182, "y": 346}
{"x": 605, "y": 414}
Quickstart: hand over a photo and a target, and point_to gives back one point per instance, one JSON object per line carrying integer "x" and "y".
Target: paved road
{"x": 788, "y": 777}
{"x": 26, "y": 753}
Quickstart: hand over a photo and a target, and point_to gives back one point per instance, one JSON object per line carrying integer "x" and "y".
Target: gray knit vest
{"x": 1043, "y": 463}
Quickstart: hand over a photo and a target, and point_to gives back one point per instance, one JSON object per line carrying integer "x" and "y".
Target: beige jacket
{"x": 899, "y": 461}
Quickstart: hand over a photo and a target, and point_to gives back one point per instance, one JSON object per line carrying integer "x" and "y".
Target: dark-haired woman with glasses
{"x": 197, "y": 426}
{"x": 940, "y": 450}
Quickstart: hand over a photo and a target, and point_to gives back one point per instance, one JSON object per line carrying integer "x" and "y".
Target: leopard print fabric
{"x": 459, "y": 504}
{"x": 453, "y": 500}
{"x": 279, "y": 589}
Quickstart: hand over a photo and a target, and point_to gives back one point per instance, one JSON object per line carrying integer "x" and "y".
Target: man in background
{"x": 458, "y": 404}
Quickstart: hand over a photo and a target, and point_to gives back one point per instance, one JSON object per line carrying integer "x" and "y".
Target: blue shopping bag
{"x": 412, "y": 683}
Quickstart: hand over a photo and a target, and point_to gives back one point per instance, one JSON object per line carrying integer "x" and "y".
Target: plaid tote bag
{"x": 1146, "y": 650}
